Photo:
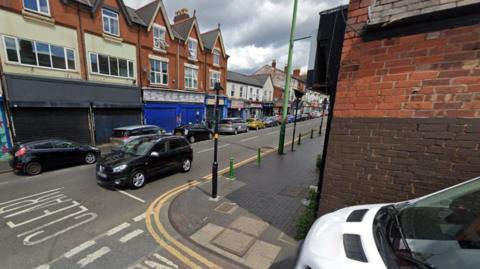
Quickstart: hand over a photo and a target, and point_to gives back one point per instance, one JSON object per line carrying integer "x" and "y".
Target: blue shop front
{"x": 170, "y": 108}
{"x": 210, "y": 108}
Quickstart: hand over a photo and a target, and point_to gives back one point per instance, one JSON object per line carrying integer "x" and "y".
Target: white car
{"x": 440, "y": 230}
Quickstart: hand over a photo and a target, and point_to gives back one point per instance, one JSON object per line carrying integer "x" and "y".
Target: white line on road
{"x": 79, "y": 249}
{"x": 139, "y": 217}
{"x": 118, "y": 228}
{"x": 43, "y": 266}
{"x": 271, "y": 133}
{"x": 33, "y": 195}
{"x": 250, "y": 138}
{"x": 130, "y": 195}
{"x": 131, "y": 235}
{"x": 210, "y": 149}
{"x": 93, "y": 256}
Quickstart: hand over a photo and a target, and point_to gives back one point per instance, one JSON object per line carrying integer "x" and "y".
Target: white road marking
{"x": 210, "y": 149}
{"x": 165, "y": 260}
{"x": 155, "y": 265}
{"x": 118, "y": 228}
{"x": 131, "y": 235}
{"x": 93, "y": 256}
{"x": 271, "y": 133}
{"x": 79, "y": 249}
{"x": 131, "y": 195}
{"x": 139, "y": 217}
{"x": 43, "y": 266}
{"x": 250, "y": 138}
{"x": 33, "y": 195}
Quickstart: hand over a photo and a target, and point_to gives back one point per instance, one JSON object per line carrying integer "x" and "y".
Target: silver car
{"x": 232, "y": 126}
{"x": 123, "y": 135}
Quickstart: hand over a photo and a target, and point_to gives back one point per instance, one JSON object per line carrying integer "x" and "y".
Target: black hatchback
{"x": 34, "y": 157}
{"x": 194, "y": 132}
{"x": 142, "y": 158}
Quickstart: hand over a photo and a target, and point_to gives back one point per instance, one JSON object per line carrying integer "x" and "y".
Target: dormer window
{"x": 216, "y": 57}
{"x": 110, "y": 22}
{"x": 159, "y": 37}
{"x": 37, "y": 6}
{"x": 192, "y": 49}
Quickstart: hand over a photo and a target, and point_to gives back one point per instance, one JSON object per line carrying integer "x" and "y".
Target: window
{"x": 232, "y": 93}
{"x": 158, "y": 72}
{"x": 110, "y": 22}
{"x": 214, "y": 78}
{"x": 39, "y": 6}
{"x": 191, "y": 80}
{"x": 192, "y": 49}
{"x": 159, "y": 37}
{"x": 258, "y": 95}
{"x": 160, "y": 147}
{"x": 241, "y": 91}
{"x": 216, "y": 57}
{"x": 251, "y": 93}
{"x": 176, "y": 143}
{"x": 35, "y": 53}
{"x": 111, "y": 66}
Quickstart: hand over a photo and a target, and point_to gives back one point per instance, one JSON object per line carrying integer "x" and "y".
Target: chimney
{"x": 274, "y": 64}
{"x": 180, "y": 15}
{"x": 296, "y": 72}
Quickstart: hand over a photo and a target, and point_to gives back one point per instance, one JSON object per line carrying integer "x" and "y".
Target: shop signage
{"x": 172, "y": 96}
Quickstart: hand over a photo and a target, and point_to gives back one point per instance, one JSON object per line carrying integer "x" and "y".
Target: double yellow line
{"x": 164, "y": 239}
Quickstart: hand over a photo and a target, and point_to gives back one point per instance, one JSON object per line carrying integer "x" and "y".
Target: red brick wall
{"x": 435, "y": 74}
{"x": 208, "y": 63}
{"x": 406, "y": 120}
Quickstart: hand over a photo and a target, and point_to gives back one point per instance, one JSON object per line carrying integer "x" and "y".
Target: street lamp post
{"x": 298, "y": 96}
{"x": 324, "y": 104}
{"x": 217, "y": 88}
{"x": 281, "y": 139}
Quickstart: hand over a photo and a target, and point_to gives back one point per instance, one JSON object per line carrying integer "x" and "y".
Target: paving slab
{"x": 235, "y": 242}
{"x": 249, "y": 225}
{"x": 207, "y": 233}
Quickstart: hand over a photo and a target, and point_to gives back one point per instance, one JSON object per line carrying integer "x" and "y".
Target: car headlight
{"x": 186, "y": 132}
{"x": 119, "y": 168}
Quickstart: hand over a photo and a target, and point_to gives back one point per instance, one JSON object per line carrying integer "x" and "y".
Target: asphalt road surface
{"x": 64, "y": 219}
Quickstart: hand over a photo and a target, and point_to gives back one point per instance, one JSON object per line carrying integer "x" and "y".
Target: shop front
{"x": 237, "y": 109}
{"x": 169, "y": 108}
{"x": 210, "y": 105}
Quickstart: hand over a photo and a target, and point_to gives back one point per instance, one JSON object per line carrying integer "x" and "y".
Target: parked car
{"x": 315, "y": 114}
{"x": 123, "y": 135}
{"x": 290, "y": 118}
{"x": 232, "y": 126}
{"x": 194, "y": 132}
{"x": 255, "y": 124}
{"x": 271, "y": 121}
{"x": 142, "y": 158}
{"x": 34, "y": 157}
{"x": 305, "y": 116}
{"x": 440, "y": 230}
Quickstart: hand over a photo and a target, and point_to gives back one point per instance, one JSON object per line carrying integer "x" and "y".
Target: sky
{"x": 255, "y": 31}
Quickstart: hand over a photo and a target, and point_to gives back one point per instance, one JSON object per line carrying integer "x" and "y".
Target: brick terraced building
{"x": 406, "y": 119}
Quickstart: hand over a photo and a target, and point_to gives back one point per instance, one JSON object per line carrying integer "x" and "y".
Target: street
{"x": 64, "y": 219}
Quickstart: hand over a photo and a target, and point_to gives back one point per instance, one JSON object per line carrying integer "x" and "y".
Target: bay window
{"x": 158, "y": 72}
{"x": 191, "y": 78}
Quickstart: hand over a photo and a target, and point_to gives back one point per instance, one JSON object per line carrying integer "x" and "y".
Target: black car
{"x": 194, "y": 132}
{"x": 143, "y": 158}
{"x": 34, "y": 157}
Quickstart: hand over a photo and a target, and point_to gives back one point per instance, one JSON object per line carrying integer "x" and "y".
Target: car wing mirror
{"x": 155, "y": 154}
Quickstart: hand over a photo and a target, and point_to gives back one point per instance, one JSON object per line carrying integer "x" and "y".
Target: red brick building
{"x": 406, "y": 119}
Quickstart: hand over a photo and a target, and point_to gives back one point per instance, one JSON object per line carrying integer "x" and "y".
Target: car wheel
{"x": 210, "y": 136}
{"x": 192, "y": 139}
{"x": 90, "y": 158}
{"x": 186, "y": 165}
{"x": 33, "y": 168}
{"x": 137, "y": 179}
{"x": 235, "y": 132}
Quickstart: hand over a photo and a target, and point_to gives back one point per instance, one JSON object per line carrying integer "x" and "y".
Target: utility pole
{"x": 286, "y": 91}
{"x": 218, "y": 87}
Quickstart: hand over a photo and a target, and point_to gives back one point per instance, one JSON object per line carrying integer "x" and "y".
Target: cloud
{"x": 255, "y": 31}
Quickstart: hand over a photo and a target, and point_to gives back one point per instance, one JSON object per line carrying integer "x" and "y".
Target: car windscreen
{"x": 443, "y": 230}
{"x": 138, "y": 147}
{"x": 225, "y": 121}
{"x": 120, "y": 133}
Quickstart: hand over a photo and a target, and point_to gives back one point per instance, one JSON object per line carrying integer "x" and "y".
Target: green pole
{"x": 259, "y": 156}
{"x": 232, "y": 171}
{"x": 286, "y": 91}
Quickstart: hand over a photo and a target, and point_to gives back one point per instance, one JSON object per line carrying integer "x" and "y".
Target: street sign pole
{"x": 295, "y": 123}
{"x": 286, "y": 91}
{"x": 215, "y": 145}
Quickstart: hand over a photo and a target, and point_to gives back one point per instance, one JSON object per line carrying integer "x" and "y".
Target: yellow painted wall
{"x": 14, "y": 24}
{"x": 97, "y": 44}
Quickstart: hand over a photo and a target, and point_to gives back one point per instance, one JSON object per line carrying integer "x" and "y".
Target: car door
{"x": 175, "y": 152}
{"x": 65, "y": 152}
{"x": 45, "y": 154}
{"x": 197, "y": 131}
{"x": 157, "y": 164}
{"x": 204, "y": 131}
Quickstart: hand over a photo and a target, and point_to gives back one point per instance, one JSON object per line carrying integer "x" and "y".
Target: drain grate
{"x": 291, "y": 191}
{"x": 226, "y": 207}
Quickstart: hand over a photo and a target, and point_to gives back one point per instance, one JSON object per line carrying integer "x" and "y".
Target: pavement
{"x": 253, "y": 224}
{"x": 64, "y": 219}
